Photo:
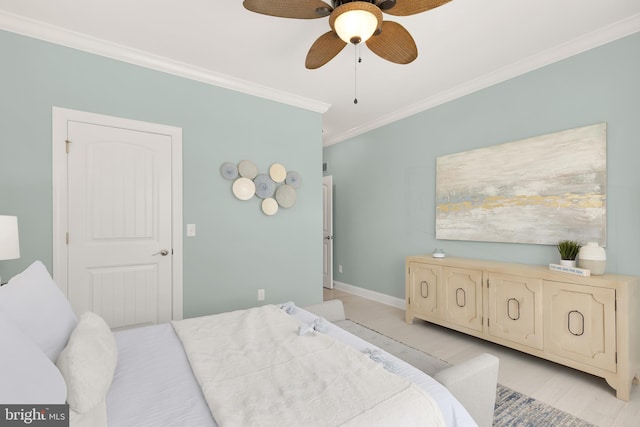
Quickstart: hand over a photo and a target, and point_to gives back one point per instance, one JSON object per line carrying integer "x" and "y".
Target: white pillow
{"x": 28, "y": 376}
{"x": 88, "y": 363}
{"x": 39, "y": 308}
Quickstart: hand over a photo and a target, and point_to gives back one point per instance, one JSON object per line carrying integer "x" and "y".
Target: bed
{"x": 179, "y": 373}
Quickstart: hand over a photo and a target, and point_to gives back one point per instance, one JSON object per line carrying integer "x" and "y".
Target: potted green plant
{"x": 568, "y": 252}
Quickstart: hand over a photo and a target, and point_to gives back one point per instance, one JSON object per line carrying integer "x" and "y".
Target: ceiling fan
{"x": 352, "y": 21}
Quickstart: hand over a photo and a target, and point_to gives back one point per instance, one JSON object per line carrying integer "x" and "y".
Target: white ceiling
{"x": 463, "y": 46}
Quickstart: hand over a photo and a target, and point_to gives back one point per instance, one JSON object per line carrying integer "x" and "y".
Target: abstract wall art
{"x": 538, "y": 190}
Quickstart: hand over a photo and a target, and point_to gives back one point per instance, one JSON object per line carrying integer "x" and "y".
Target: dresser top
{"x": 526, "y": 270}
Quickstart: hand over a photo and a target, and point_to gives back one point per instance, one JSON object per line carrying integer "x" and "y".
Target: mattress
{"x": 154, "y": 384}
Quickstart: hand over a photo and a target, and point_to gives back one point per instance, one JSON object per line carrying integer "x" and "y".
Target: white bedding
{"x": 154, "y": 384}
{"x": 255, "y": 369}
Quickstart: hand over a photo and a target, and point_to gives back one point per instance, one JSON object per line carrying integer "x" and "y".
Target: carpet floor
{"x": 513, "y": 409}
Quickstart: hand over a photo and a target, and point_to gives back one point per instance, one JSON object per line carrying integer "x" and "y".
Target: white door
{"x": 118, "y": 209}
{"x": 327, "y": 231}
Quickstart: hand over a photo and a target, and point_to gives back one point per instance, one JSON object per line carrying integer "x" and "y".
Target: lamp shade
{"x": 355, "y": 22}
{"x": 9, "y": 242}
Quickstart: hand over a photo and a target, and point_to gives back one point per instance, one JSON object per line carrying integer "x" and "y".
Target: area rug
{"x": 513, "y": 409}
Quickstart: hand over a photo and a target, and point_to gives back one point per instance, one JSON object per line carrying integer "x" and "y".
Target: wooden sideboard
{"x": 588, "y": 323}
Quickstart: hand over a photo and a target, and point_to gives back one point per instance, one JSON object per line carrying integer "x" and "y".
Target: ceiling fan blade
{"x": 411, "y": 7}
{"x": 323, "y": 50}
{"x": 393, "y": 43}
{"x": 301, "y": 9}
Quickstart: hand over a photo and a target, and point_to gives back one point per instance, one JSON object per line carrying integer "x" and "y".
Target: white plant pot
{"x": 568, "y": 262}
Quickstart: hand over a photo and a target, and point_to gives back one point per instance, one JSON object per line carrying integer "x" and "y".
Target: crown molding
{"x": 61, "y": 36}
{"x": 573, "y": 47}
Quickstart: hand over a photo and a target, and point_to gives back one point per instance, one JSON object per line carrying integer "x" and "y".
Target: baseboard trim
{"x": 372, "y": 295}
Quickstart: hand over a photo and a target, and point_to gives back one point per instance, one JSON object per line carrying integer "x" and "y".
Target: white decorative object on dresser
{"x": 587, "y": 323}
{"x": 593, "y": 257}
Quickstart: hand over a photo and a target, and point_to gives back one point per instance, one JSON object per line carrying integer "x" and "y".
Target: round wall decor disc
{"x": 277, "y": 172}
{"x": 269, "y": 206}
{"x": 243, "y": 188}
{"x": 286, "y": 196}
{"x": 293, "y": 179}
{"x": 229, "y": 171}
{"x": 247, "y": 169}
{"x": 265, "y": 187}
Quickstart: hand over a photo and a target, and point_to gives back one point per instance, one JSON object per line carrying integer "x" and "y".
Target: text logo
{"x": 34, "y": 415}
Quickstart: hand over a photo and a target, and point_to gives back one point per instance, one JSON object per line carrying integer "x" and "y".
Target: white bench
{"x": 473, "y": 382}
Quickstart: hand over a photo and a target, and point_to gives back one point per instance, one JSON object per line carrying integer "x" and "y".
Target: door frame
{"x": 327, "y": 180}
{"x": 60, "y": 118}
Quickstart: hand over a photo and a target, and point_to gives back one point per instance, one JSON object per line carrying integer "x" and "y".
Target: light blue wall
{"x": 237, "y": 249}
{"x": 385, "y": 179}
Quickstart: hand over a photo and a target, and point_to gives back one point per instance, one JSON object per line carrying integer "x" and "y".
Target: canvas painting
{"x": 538, "y": 190}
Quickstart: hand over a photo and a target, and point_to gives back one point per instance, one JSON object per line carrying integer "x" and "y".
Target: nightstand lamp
{"x": 9, "y": 242}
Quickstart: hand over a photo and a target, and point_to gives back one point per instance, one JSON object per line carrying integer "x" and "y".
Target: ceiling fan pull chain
{"x": 356, "y": 59}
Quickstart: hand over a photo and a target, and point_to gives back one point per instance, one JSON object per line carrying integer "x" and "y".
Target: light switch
{"x": 191, "y": 230}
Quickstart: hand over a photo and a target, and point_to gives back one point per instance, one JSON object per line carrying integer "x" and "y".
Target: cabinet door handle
{"x": 461, "y": 292}
{"x": 517, "y": 305}
{"x": 581, "y": 317}
{"x": 424, "y": 285}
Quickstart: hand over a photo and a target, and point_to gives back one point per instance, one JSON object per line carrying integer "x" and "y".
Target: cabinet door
{"x": 580, "y": 323}
{"x": 425, "y": 289}
{"x": 462, "y": 297}
{"x": 515, "y": 309}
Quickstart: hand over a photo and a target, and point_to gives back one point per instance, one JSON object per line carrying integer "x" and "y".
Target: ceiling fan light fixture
{"x": 355, "y": 22}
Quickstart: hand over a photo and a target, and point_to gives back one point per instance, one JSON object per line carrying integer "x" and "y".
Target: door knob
{"x": 163, "y": 252}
